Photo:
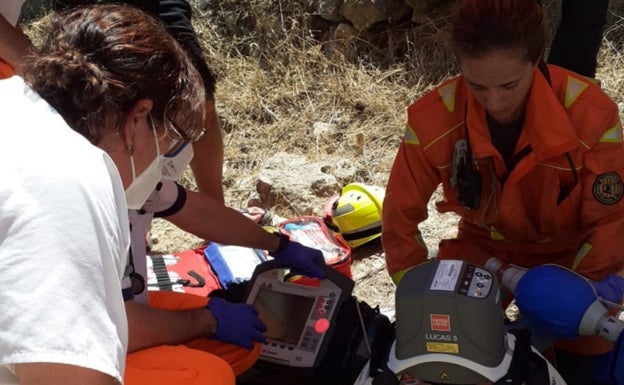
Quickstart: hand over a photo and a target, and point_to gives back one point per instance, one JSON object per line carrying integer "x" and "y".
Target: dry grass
{"x": 277, "y": 78}
{"x": 279, "y": 73}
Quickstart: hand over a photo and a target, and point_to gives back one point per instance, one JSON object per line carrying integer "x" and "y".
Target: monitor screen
{"x": 284, "y": 314}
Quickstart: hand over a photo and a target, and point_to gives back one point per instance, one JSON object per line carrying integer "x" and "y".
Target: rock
{"x": 323, "y": 129}
{"x": 364, "y": 13}
{"x": 423, "y": 7}
{"x": 344, "y": 32}
{"x": 328, "y": 9}
{"x": 342, "y": 35}
{"x": 289, "y": 180}
{"x": 344, "y": 171}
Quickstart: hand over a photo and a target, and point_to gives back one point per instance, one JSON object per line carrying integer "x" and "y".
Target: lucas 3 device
{"x": 300, "y": 318}
{"x": 450, "y": 326}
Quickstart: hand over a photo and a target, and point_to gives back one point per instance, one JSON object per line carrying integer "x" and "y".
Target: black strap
{"x": 162, "y": 276}
{"x": 564, "y": 192}
{"x": 520, "y": 155}
{"x": 526, "y": 367}
{"x": 201, "y": 282}
{"x": 468, "y": 176}
{"x": 380, "y": 351}
{"x": 137, "y": 280}
{"x": 177, "y": 205}
{"x": 517, "y": 158}
{"x": 127, "y": 294}
{"x": 386, "y": 378}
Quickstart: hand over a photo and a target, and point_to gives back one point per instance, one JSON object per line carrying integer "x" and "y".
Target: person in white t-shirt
{"x": 83, "y": 127}
{"x": 62, "y": 243}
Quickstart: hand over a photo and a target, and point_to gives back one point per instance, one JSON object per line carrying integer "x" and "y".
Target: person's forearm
{"x": 209, "y": 219}
{"x": 207, "y": 163}
{"x": 150, "y": 326}
{"x": 14, "y": 45}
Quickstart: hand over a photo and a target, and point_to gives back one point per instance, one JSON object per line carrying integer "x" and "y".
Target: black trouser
{"x": 578, "y": 369}
{"x": 579, "y": 35}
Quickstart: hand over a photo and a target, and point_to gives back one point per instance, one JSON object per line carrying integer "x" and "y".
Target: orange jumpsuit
{"x": 570, "y": 146}
{"x": 198, "y": 362}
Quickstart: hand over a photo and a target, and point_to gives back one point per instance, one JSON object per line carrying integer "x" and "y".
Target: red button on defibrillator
{"x": 321, "y": 325}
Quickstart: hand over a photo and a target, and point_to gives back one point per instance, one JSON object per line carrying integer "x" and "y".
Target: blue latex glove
{"x": 611, "y": 288}
{"x": 300, "y": 257}
{"x": 612, "y": 367}
{"x": 237, "y": 323}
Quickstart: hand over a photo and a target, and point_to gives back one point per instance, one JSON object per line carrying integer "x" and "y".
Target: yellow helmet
{"x": 356, "y": 213}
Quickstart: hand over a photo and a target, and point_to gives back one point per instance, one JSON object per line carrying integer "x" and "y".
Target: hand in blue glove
{"x": 237, "y": 323}
{"x": 611, "y": 288}
{"x": 612, "y": 365}
{"x": 300, "y": 257}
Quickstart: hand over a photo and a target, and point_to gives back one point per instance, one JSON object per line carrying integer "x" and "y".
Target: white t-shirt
{"x": 63, "y": 241}
{"x": 11, "y": 10}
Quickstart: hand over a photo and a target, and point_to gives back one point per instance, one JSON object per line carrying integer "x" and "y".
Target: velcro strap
{"x": 162, "y": 276}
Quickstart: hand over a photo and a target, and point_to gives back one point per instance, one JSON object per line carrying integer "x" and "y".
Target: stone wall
{"x": 359, "y": 14}
{"x": 362, "y": 14}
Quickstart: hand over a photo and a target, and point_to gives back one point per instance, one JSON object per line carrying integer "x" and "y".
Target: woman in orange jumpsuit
{"x": 529, "y": 156}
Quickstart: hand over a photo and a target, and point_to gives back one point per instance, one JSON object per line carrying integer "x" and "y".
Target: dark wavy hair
{"x": 98, "y": 61}
{"x": 481, "y": 26}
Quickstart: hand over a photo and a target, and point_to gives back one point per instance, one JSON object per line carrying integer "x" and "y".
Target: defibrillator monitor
{"x": 300, "y": 316}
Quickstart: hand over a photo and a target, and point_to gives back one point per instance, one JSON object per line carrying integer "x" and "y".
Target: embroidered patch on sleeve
{"x": 608, "y": 188}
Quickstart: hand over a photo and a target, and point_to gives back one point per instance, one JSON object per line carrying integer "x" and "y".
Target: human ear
{"x": 138, "y": 112}
{"x": 141, "y": 109}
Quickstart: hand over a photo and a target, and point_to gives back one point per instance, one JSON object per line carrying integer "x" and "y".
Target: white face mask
{"x": 143, "y": 185}
{"x": 176, "y": 160}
